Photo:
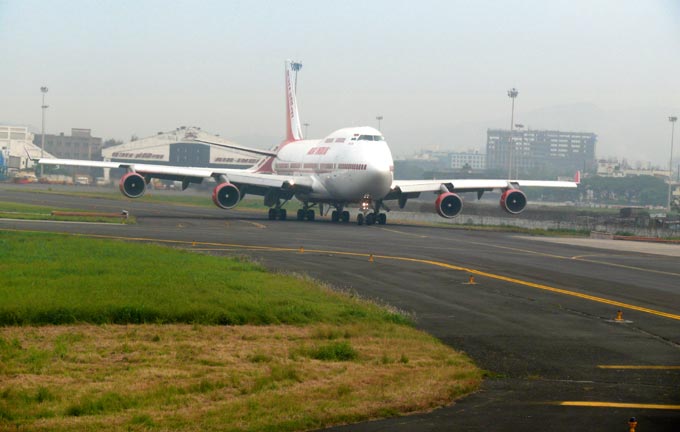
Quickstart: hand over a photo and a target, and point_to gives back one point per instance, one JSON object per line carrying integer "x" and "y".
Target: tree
{"x": 640, "y": 190}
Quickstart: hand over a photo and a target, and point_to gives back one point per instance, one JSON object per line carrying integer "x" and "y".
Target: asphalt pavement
{"x": 539, "y": 315}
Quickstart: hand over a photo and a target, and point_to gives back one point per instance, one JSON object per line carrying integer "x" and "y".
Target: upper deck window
{"x": 371, "y": 138}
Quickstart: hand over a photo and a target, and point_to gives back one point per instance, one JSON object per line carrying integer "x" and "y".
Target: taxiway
{"x": 539, "y": 315}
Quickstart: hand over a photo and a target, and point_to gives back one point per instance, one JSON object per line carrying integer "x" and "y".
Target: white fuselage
{"x": 346, "y": 166}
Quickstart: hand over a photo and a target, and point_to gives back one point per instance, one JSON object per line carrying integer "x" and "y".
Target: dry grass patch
{"x": 193, "y": 377}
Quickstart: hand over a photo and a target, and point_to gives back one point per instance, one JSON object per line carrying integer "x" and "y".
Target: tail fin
{"x": 577, "y": 177}
{"x": 293, "y": 129}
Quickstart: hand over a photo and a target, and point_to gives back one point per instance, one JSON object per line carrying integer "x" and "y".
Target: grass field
{"x": 173, "y": 197}
{"x": 105, "y": 335}
{"x": 11, "y": 210}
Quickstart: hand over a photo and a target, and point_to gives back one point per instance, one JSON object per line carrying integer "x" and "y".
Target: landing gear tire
{"x": 275, "y": 213}
{"x": 344, "y": 216}
{"x": 360, "y": 219}
{"x": 335, "y": 217}
{"x": 300, "y": 215}
{"x": 310, "y": 215}
{"x": 370, "y": 219}
{"x": 382, "y": 219}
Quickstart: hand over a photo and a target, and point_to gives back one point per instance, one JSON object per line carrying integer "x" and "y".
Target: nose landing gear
{"x": 370, "y": 215}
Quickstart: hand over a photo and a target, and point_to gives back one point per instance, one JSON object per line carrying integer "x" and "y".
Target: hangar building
{"x": 17, "y": 148}
{"x": 178, "y": 148}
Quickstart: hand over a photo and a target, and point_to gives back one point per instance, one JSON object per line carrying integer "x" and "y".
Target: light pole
{"x": 306, "y": 125}
{"x": 42, "y": 139}
{"x": 379, "y": 118}
{"x": 512, "y": 93}
{"x": 520, "y": 128}
{"x": 671, "y": 119}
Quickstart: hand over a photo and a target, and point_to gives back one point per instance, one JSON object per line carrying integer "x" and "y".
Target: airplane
{"x": 352, "y": 166}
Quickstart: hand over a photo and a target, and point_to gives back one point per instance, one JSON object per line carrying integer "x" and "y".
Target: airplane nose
{"x": 381, "y": 179}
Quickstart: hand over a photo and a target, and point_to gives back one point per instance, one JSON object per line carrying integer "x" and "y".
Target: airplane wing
{"x": 256, "y": 183}
{"x": 472, "y": 185}
{"x": 449, "y": 204}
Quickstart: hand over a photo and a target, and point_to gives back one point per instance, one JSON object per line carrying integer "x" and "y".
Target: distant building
{"x": 533, "y": 149}
{"x": 472, "y": 159}
{"x": 79, "y": 145}
{"x": 614, "y": 168}
{"x": 16, "y": 145}
{"x": 178, "y": 148}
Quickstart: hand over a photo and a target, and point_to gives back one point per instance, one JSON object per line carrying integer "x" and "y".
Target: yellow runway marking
{"x": 211, "y": 249}
{"x": 514, "y": 249}
{"x": 628, "y": 267}
{"x": 576, "y": 258}
{"x": 403, "y": 233}
{"x": 639, "y": 367}
{"x": 618, "y": 405}
{"x": 404, "y": 259}
{"x": 259, "y": 225}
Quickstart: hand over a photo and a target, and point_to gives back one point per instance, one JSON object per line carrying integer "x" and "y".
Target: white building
{"x": 16, "y": 145}
{"x": 178, "y": 148}
{"x": 614, "y": 168}
{"x": 472, "y": 159}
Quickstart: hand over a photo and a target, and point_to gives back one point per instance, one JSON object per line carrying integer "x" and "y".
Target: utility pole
{"x": 671, "y": 119}
{"x": 42, "y": 139}
{"x": 512, "y": 93}
{"x": 520, "y": 128}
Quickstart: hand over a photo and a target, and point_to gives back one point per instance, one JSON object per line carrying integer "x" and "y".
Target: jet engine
{"x": 226, "y": 196}
{"x": 513, "y": 201}
{"x": 448, "y": 205}
{"x": 132, "y": 185}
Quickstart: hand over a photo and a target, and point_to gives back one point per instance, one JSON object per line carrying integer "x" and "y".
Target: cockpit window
{"x": 371, "y": 138}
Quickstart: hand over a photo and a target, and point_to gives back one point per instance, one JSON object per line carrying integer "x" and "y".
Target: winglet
{"x": 577, "y": 177}
{"x": 238, "y": 147}
{"x": 293, "y": 129}
{"x": 28, "y": 155}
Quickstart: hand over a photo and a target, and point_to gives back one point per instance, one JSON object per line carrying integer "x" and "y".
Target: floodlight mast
{"x": 379, "y": 118}
{"x": 671, "y": 119}
{"x": 43, "y": 90}
{"x": 512, "y": 93}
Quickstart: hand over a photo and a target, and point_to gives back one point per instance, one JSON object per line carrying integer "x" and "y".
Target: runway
{"x": 538, "y": 317}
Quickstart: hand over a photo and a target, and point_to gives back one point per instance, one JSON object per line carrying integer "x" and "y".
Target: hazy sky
{"x": 438, "y": 72}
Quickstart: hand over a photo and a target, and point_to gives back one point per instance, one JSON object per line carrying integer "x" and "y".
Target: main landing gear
{"x": 277, "y": 213}
{"x": 303, "y": 214}
{"x": 340, "y": 216}
{"x": 306, "y": 213}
